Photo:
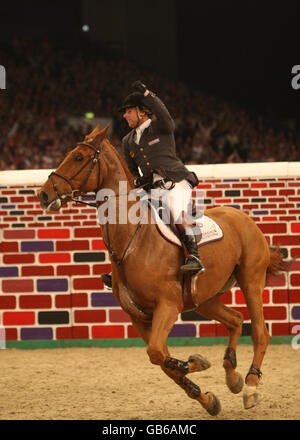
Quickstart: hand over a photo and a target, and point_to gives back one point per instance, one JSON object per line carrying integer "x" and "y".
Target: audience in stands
{"x": 46, "y": 85}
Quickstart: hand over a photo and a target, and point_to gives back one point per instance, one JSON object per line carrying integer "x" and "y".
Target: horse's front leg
{"x": 195, "y": 362}
{"x": 164, "y": 317}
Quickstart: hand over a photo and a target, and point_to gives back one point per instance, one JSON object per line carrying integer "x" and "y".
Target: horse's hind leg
{"x": 252, "y": 285}
{"x": 232, "y": 320}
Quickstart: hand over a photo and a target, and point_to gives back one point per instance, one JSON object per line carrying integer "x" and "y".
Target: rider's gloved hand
{"x": 141, "y": 180}
{"x": 138, "y": 86}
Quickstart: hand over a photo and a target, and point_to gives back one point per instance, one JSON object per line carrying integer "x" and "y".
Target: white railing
{"x": 226, "y": 170}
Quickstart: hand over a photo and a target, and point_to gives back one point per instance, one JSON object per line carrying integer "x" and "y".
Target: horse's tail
{"x": 277, "y": 262}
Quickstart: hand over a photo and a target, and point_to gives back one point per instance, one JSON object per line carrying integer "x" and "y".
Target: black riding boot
{"x": 106, "y": 278}
{"x": 192, "y": 262}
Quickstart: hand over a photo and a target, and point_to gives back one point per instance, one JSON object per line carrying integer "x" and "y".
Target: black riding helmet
{"x": 133, "y": 100}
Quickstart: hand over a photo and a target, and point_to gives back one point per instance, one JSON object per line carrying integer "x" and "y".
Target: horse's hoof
{"x": 215, "y": 406}
{"x": 251, "y": 397}
{"x": 235, "y": 383}
{"x": 200, "y": 363}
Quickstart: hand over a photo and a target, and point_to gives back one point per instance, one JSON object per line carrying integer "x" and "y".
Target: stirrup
{"x": 106, "y": 279}
{"x": 193, "y": 264}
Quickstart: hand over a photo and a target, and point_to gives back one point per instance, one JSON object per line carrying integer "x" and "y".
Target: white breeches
{"x": 177, "y": 199}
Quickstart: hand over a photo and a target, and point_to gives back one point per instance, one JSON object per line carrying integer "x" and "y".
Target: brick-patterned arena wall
{"x": 50, "y": 263}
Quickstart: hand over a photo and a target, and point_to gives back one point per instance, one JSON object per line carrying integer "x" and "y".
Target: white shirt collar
{"x": 139, "y": 130}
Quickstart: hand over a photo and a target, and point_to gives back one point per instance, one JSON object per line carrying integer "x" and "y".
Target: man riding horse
{"x": 150, "y": 148}
{"x": 138, "y": 251}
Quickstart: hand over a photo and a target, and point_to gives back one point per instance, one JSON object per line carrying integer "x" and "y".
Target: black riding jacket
{"x": 156, "y": 151}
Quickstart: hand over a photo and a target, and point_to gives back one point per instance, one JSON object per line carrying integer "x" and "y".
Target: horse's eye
{"x": 79, "y": 158}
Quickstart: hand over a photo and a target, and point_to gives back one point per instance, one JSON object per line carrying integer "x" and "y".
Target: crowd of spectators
{"x": 47, "y": 84}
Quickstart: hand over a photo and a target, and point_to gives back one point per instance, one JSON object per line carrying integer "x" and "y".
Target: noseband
{"x": 93, "y": 161}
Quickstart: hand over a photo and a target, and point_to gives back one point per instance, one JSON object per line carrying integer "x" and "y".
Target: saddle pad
{"x": 211, "y": 231}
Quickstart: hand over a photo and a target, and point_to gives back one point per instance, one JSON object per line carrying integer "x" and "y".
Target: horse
{"x": 146, "y": 280}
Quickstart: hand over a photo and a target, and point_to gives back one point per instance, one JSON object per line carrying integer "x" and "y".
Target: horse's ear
{"x": 93, "y": 133}
{"x": 101, "y": 135}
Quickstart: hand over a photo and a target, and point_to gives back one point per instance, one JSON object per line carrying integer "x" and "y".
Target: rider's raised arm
{"x": 161, "y": 112}
{"x": 157, "y": 107}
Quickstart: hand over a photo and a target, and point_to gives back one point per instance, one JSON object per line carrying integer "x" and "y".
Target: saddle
{"x": 206, "y": 230}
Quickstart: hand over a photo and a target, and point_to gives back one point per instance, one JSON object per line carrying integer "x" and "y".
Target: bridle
{"x": 95, "y": 160}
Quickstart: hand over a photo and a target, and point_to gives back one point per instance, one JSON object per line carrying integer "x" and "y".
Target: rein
{"x": 112, "y": 253}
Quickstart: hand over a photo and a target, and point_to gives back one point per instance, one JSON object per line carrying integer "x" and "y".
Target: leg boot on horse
{"x": 177, "y": 370}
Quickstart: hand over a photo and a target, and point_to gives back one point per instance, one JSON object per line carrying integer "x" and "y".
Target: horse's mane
{"x": 123, "y": 162}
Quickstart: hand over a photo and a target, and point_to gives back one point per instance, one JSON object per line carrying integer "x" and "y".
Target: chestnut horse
{"x": 145, "y": 270}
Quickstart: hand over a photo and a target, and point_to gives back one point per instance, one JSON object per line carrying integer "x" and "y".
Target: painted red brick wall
{"x": 50, "y": 263}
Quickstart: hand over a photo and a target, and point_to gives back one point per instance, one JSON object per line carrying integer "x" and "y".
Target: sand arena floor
{"x": 121, "y": 384}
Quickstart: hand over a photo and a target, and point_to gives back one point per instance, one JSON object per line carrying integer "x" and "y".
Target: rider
{"x": 150, "y": 147}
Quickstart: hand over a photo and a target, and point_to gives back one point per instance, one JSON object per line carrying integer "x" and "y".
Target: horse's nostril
{"x": 43, "y": 196}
